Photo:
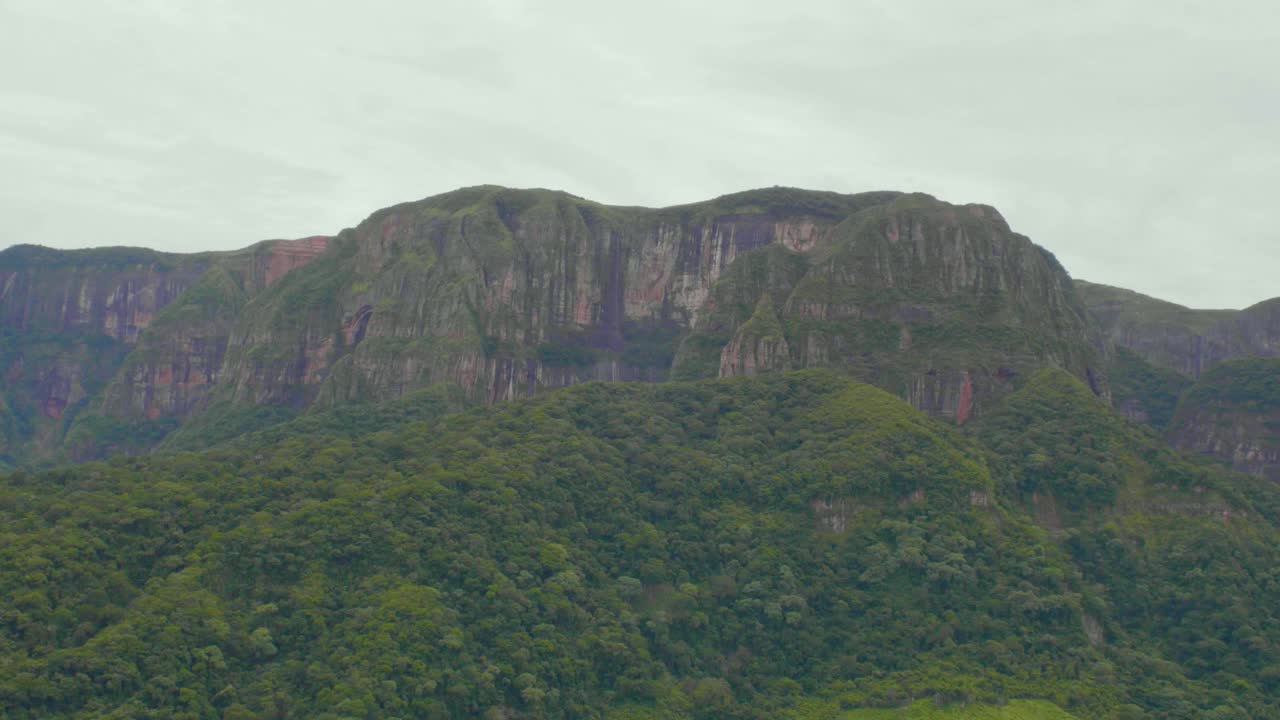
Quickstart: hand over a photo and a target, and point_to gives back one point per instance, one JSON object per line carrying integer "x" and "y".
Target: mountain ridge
{"x": 1181, "y": 369}
{"x": 513, "y": 454}
{"x": 507, "y": 292}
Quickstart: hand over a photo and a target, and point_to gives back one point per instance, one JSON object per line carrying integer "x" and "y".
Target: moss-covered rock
{"x": 940, "y": 304}
{"x": 1171, "y": 336}
{"x": 506, "y": 293}
{"x": 1233, "y": 414}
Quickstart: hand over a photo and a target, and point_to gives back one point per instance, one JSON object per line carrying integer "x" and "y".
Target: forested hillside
{"x": 789, "y": 545}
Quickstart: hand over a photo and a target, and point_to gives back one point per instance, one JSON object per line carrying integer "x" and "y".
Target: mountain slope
{"x": 1233, "y": 414}
{"x": 711, "y": 549}
{"x": 506, "y": 293}
{"x": 1201, "y": 364}
{"x": 67, "y": 321}
{"x": 1179, "y": 338}
{"x": 940, "y": 304}
{"x": 107, "y": 350}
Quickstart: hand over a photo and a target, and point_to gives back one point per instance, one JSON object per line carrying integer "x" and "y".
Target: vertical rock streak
{"x": 507, "y": 293}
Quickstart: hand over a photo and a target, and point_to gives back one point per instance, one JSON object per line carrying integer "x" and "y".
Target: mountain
{"x": 1203, "y": 376}
{"x": 859, "y": 456}
{"x": 68, "y": 320}
{"x": 1233, "y": 413}
{"x": 793, "y": 544}
{"x": 1179, "y": 338}
{"x": 507, "y": 293}
{"x": 123, "y": 333}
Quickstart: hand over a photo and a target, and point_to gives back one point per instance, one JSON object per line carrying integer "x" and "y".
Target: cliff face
{"x": 941, "y": 304}
{"x": 1233, "y": 414}
{"x": 1144, "y": 392}
{"x": 1180, "y": 338}
{"x": 1252, "y": 332}
{"x": 178, "y": 363}
{"x": 759, "y": 345}
{"x": 67, "y": 320}
{"x": 110, "y": 333}
{"x": 1169, "y": 356}
{"x": 106, "y": 292}
{"x": 504, "y": 293}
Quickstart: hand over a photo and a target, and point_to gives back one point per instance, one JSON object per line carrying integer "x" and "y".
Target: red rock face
{"x": 119, "y": 303}
{"x": 182, "y": 362}
{"x": 121, "y": 294}
{"x": 287, "y": 255}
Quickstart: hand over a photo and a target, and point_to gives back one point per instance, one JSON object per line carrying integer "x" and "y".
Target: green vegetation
{"x": 784, "y": 200}
{"x": 565, "y": 355}
{"x": 879, "y": 299}
{"x": 39, "y": 371}
{"x": 796, "y": 545}
{"x": 1232, "y": 415}
{"x": 224, "y": 422}
{"x": 84, "y": 325}
{"x": 763, "y": 323}
{"x": 22, "y": 257}
{"x": 1137, "y": 383}
{"x": 815, "y": 709}
{"x": 699, "y": 355}
{"x": 1251, "y": 384}
{"x": 651, "y": 345}
{"x": 348, "y": 422}
{"x": 1118, "y": 307}
{"x": 93, "y": 436}
{"x": 1164, "y": 334}
{"x": 297, "y": 296}
{"x": 1061, "y": 440}
{"x": 216, "y": 298}
{"x": 928, "y": 710}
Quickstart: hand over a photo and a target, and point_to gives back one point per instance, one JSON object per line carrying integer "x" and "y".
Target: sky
{"x": 1138, "y": 140}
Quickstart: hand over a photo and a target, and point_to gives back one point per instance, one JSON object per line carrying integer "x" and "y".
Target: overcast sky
{"x": 1139, "y": 141}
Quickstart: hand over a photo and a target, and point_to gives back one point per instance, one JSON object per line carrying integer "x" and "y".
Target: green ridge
{"x": 749, "y": 548}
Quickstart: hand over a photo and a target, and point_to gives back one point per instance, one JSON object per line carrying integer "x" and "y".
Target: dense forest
{"x": 789, "y": 545}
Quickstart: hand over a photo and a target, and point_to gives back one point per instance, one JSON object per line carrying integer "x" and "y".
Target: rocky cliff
{"x": 1142, "y": 391}
{"x": 1180, "y": 338}
{"x": 1233, "y": 414}
{"x": 503, "y": 293}
{"x": 942, "y": 304}
{"x": 178, "y": 362}
{"x": 96, "y": 340}
{"x": 67, "y": 320}
{"x": 1191, "y": 372}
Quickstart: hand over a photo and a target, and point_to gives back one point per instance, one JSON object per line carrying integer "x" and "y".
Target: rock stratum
{"x": 505, "y": 293}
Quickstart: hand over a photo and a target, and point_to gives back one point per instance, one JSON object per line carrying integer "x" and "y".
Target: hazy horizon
{"x": 1135, "y": 143}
